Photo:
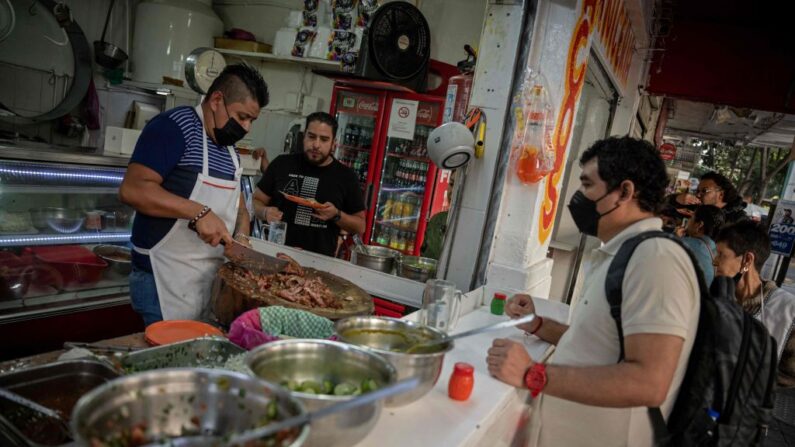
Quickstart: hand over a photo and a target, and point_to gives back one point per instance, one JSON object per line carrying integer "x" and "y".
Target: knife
{"x": 253, "y": 260}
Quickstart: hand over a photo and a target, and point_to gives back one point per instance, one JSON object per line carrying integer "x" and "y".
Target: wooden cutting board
{"x": 232, "y": 295}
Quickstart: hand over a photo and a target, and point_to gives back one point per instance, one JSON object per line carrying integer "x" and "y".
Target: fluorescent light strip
{"x": 62, "y": 175}
{"x": 21, "y": 240}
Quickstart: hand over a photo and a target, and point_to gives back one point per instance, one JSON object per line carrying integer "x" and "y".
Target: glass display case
{"x": 64, "y": 235}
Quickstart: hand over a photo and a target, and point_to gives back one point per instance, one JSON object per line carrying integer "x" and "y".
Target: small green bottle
{"x": 498, "y": 304}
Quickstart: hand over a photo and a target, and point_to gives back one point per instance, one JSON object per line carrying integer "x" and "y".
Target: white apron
{"x": 184, "y": 266}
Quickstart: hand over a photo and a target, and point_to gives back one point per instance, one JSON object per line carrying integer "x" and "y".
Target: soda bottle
{"x": 393, "y": 242}
{"x": 397, "y": 210}
{"x": 410, "y": 243}
{"x": 401, "y": 242}
{"x": 386, "y": 212}
{"x": 346, "y": 136}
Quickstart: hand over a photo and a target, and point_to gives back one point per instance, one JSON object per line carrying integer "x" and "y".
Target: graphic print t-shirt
{"x": 335, "y": 183}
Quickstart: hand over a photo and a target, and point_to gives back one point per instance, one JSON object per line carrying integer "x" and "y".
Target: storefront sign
{"x": 617, "y": 40}
{"x": 667, "y": 151}
{"x": 426, "y": 114}
{"x": 402, "y": 119}
{"x": 782, "y": 230}
{"x": 360, "y": 105}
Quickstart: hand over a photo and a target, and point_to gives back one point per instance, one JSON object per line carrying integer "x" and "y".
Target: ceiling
{"x": 737, "y": 125}
{"x": 726, "y": 69}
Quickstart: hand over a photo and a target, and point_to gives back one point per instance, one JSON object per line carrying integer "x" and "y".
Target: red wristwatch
{"x": 535, "y": 379}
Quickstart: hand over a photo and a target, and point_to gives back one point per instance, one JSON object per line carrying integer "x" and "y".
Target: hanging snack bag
{"x": 344, "y": 14}
{"x": 302, "y": 42}
{"x": 349, "y": 62}
{"x": 366, "y": 10}
{"x": 310, "y": 13}
{"x": 340, "y": 42}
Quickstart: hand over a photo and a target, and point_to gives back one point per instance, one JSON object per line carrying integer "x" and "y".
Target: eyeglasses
{"x": 701, "y": 192}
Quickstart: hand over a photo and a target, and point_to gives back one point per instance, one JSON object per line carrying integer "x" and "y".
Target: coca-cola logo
{"x": 424, "y": 114}
{"x": 367, "y": 106}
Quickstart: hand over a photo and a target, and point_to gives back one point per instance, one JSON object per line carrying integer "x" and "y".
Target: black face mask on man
{"x": 231, "y": 133}
{"x": 583, "y": 211}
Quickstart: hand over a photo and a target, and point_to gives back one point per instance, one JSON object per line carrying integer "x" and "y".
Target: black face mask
{"x": 231, "y": 133}
{"x": 583, "y": 211}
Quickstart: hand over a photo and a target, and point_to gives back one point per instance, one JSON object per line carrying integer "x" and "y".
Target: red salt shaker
{"x": 461, "y": 381}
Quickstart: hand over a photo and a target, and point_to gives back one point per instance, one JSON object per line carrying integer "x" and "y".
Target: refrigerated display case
{"x": 383, "y": 137}
{"x": 358, "y": 114}
{"x": 56, "y": 208}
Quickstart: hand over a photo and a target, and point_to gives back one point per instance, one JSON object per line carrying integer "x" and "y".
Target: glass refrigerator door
{"x": 357, "y": 114}
{"x": 406, "y": 182}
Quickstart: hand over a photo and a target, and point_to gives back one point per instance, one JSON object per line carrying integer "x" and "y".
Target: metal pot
{"x": 381, "y": 335}
{"x": 377, "y": 258}
{"x": 416, "y": 268}
{"x": 174, "y": 403}
{"x": 119, "y": 259}
{"x": 320, "y": 360}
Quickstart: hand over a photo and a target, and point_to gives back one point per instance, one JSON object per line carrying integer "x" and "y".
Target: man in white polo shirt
{"x": 585, "y": 396}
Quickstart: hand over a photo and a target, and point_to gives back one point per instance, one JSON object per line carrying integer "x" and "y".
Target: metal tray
{"x": 205, "y": 352}
{"x": 55, "y": 385}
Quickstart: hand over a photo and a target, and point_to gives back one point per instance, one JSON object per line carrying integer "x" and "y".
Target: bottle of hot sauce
{"x": 461, "y": 381}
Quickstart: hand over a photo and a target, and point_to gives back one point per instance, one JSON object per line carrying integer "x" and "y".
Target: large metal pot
{"x": 172, "y": 403}
{"x": 377, "y": 258}
{"x": 416, "y": 268}
{"x": 386, "y": 336}
{"x": 319, "y": 361}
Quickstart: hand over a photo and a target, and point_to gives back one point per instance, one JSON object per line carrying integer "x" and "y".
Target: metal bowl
{"x": 320, "y": 360}
{"x": 416, "y": 268}
{"x": 119, "y": 259}
{"x": 180, "y": 403}
{"x": 382, "y": 335}
{"x": 377, "y": 258}
{"x": 60, "y": 220}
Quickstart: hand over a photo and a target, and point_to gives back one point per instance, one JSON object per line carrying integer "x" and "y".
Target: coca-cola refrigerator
{"x": 383, "y": 136}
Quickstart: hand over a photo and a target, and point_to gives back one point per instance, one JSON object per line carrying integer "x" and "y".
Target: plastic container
{"x": 77, "y": 265}
{"x": 462, "y": 381}
{"x": 498, "y": 304}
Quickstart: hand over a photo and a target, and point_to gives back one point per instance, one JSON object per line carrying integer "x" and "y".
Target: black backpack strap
{"x": 615, "y": 276}
{"x": 615, "y": 279}
{"x": 615, "y": 296}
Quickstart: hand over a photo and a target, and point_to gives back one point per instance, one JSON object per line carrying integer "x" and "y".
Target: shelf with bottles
{"x": 396, "y": 243}
{"x": 402, "y": 173}
{"x": 360, "y": 163}
{"x": 398, "y": 224}
{"x": 353, "y": 148}
{"x": 399, "y": 210}
{"x": 357, "y": 133}
{"x": 415, "y": 148}
{"x": 408, "y": 157}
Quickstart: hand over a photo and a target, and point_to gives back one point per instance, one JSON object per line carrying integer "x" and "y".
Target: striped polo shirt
{"x": 171, "y": 145}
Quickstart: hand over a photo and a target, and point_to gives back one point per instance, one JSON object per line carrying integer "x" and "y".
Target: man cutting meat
{"x": 312, "y": 176}
{"x": 184, "y": 182}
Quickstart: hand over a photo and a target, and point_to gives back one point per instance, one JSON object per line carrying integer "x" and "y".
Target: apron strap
{"x": 143, "y": 251}
{"x": 205, "y": 155}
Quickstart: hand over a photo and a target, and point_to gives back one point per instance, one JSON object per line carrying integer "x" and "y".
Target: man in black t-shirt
{"x": 314, "y": 175}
